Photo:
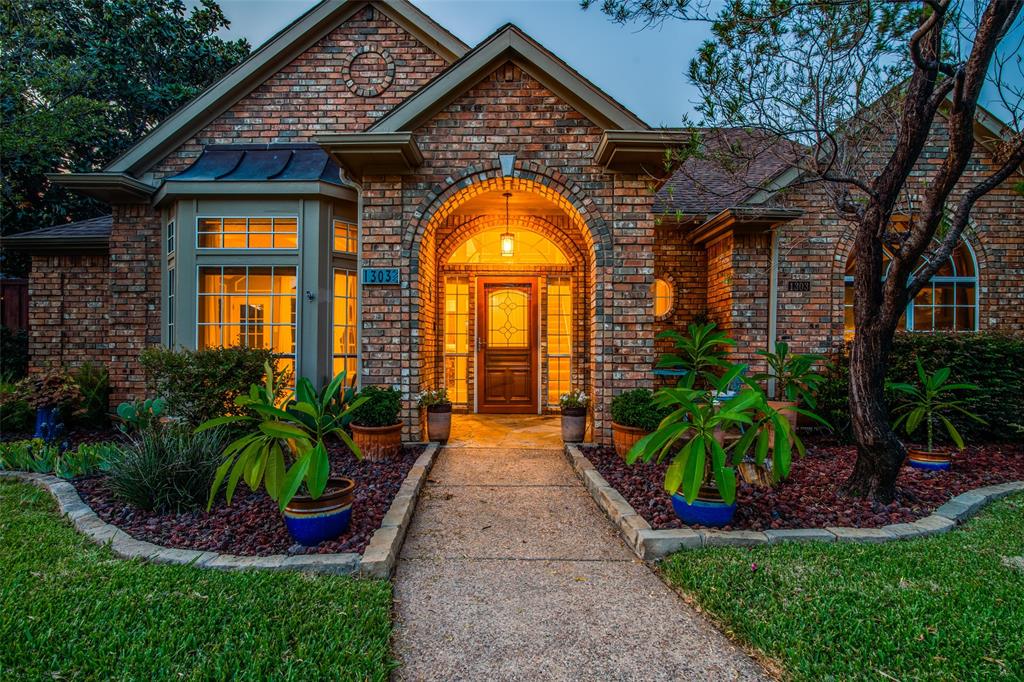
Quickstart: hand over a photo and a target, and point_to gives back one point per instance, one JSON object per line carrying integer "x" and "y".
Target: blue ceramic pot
{"x": 704, "y": 512}
{"x": 311, "y": 521}
{"x": 48, "y": 426}
{"x": 932, "y": 461}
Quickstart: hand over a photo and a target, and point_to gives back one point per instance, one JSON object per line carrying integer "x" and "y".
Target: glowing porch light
{"x": 508, "y": 241}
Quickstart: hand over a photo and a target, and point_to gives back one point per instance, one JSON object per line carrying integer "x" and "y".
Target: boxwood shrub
{"x": 200, "y": 385}
{"x": 636, "y": 408}
{"x": 382, "y": 407}
{"x": 994, "y": 362}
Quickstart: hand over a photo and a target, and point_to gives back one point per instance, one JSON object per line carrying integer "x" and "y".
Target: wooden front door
{"x": 507, "y": 344}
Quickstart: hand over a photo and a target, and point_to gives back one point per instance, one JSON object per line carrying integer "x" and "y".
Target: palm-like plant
{"x": 298, "y": 429}
{"x": 927, "y": 403}
{"x": 794, "y": 375}
{"x": 700, "y": 417}
{"x": 700, "y": 351}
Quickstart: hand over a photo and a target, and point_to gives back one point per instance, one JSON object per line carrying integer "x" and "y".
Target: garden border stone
{"x": 376, "y": 561}
{"x": 651, "y": 544}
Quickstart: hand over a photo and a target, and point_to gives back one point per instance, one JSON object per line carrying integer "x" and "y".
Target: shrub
{"x": 382, "y": 407}
{"x": 15, "y": 414}
{"x": 167, "y": 470}
{"x": 13, "y": 353}
{"x": 636, "y": 408}
{"x": 200, "y": 385}
{"x": 40, "y": 457}
{"x": 93, "y": 383}
{"x": 53, "y": 388}
{"x": 993, "y": 362}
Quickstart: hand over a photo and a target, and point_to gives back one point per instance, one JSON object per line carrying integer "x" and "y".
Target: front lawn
{"x": 950, "y": 607}
{"x": 70, "y": 610}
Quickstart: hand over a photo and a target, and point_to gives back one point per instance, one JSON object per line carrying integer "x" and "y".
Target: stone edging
{"x": 651, "y": 544}
{"x": 377, "y": 560}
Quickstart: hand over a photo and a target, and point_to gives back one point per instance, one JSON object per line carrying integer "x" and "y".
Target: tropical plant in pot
{"x": 634, "y": 415}
{"x": 701, "y": 476}
{"x": 51, "y": 394}
{"x": 796, "y": 379}
{"x": 376, "y": 426}
{"x": 700, "y": 351}
{"x": 929, "y": 403}
{"x": 284, "y": 451}
{"x": 574, "y": 415}
{"x": 439, "y": 414}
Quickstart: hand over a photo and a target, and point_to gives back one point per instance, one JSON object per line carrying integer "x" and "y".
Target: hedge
{"x": 992, "y": 361}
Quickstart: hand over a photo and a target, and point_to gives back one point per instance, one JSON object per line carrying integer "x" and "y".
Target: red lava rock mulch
{"x": 252, "y": 525}
{"x": 810, "y": 497}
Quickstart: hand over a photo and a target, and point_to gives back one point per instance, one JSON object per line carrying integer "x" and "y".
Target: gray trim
{"x": 278, "y": 51}
{"x": 71, "y": 246}
{"x": 367, "y": 153}
{"x": 234, "y": 189}
{"x": 637, "y": 151}
{"x": 109, "y": 187}
{"x": 509, "y": 42}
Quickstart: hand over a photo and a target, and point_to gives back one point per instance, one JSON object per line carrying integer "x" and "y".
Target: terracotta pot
{"x": 936, "y": 460}
{"x": 625, "y": 437}
{"x": 311, "y": 521}
{"x": 779, "y": 406}
{"x": 439, "y": 423}
{"x": 574, "y": 424}
{"x": 378, "y": 442}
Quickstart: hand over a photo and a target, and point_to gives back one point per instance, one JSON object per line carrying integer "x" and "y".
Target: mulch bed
{"x": 71, "y": 438}
{"x": 811, "y": 498}
{"x": 252, "y": 525}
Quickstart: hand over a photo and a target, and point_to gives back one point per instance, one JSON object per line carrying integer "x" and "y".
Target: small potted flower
{"x": 926, "y": 404}
{"x": 376, "y": 423}
{"x": 574, "y": 415}
{"x": 439, "y": 414}
{"x": 50, "y": 394}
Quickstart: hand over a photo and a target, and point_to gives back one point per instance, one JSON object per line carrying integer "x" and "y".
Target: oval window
{"x": 664, "y": 297}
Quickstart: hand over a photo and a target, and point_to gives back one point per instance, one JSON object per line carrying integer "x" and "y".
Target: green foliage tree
{"x": 85, "y": 79}
{"x": 848, "y": 93}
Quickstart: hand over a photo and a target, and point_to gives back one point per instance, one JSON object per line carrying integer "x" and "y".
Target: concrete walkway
{"x": 510, "y": 572}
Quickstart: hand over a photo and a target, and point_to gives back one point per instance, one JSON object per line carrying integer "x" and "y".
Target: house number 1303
{"x": 381, "y": 276}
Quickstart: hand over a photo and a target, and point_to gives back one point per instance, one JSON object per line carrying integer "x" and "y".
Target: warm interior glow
{"x": 559, "y": 337}
{"x": 664, "y": 297}
{"x": 525, "y": 248}
{"x": 456, "y": 338}
{"x": 508, "y": 312}
{"x": 346, "y": 335}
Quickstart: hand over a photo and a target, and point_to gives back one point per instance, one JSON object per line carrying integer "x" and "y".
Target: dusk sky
{"x": 643, "y": 69}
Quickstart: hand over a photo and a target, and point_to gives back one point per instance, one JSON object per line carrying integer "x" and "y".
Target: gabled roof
{"x": 84, "y": 236}
{"x": 281, "y": 49}
{"x": 510, "y": 43}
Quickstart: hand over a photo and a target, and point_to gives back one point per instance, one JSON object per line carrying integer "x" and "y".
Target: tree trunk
{"x": 880, "y": 453}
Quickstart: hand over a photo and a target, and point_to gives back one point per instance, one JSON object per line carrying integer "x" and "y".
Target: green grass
{"x": 941, "y": 608}
{"x": 70, "y": 610}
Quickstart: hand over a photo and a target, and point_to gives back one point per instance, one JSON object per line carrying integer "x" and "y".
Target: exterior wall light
{"x": 508, "y": 240}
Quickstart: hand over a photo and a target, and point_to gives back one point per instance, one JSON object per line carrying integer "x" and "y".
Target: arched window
{"x": 531, "y": 248}
{"x": 948, "y": 303}
{"x": 664, "y": 295}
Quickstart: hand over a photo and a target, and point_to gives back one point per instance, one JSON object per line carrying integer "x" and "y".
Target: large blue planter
{"x": 714, "y": 513}
{"x": 930, "y": 461}
{"x": 311, "y": 521}
{"x": 48, "y": 425}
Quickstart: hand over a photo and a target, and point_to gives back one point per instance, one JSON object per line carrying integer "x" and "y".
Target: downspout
{"x": 773, "y": 297}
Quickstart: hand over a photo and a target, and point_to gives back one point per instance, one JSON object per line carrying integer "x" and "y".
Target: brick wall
{"x": 69, "y": 300}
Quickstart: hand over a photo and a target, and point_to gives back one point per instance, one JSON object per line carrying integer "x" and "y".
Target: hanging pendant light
{"x": 508, "y": 240}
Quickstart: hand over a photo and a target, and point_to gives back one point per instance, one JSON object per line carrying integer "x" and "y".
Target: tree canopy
{"x": 83, "y": 80}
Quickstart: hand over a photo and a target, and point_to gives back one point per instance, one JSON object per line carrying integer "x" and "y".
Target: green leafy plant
{"x": 795, "y": 377}
{"x": 93, "y": 383}
{"x": 638, "y": 409}
{"x": 15, "y": 414}
{"x": 381, "y": 407}
{"x": 435, "y": 397}
{"x": 700, "y": 419}
{"x": 575, "y": 399}
{"x": 702, "y": 350}
{"x": 168, "y": 469}
{"x": 53, "y": 388}
{"x": 141, "y": 415}
{"x": 927, "y": 402}
{"x": 38, "y": 456}
{"x": 13, "y": 353}
{"x": 203, "y": 384}
{"x": 297, "y": 431}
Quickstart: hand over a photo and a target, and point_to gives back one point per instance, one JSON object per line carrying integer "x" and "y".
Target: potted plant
{"x": 700, "y": 351}
{"x": 574, "y": 415}
{"x": 634, "y": 415}
{"x": 49, "y": 394}
{"x": 701, "y": 477}
{"x": 285, "y": 452}
{"x": 796, "y": 381}
{"x": 927, "y": 403}
{"x": 376, "y": 426}
{"x": 439, "y": 414}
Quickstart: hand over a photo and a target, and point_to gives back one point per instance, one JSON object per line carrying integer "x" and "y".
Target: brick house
{"x": 368, "y": 193}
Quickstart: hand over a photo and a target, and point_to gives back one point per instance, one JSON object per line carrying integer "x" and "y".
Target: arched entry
{"x": 506, "y": 282}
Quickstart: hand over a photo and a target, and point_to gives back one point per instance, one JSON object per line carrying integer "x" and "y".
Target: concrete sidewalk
{"x": 510, "y": 572}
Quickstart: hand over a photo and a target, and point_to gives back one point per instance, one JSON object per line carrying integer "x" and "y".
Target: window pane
{"x": 664, "y": 296}
{"x": 944, "y": 293}
{"x": 247, "y": 233}
{"x": 942, "y": 318}
{"x": 456, "y": 338}
{"x": 965, "y": 319}
{"x": 529, "y": 248}
{"x": 345, "y": 344}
